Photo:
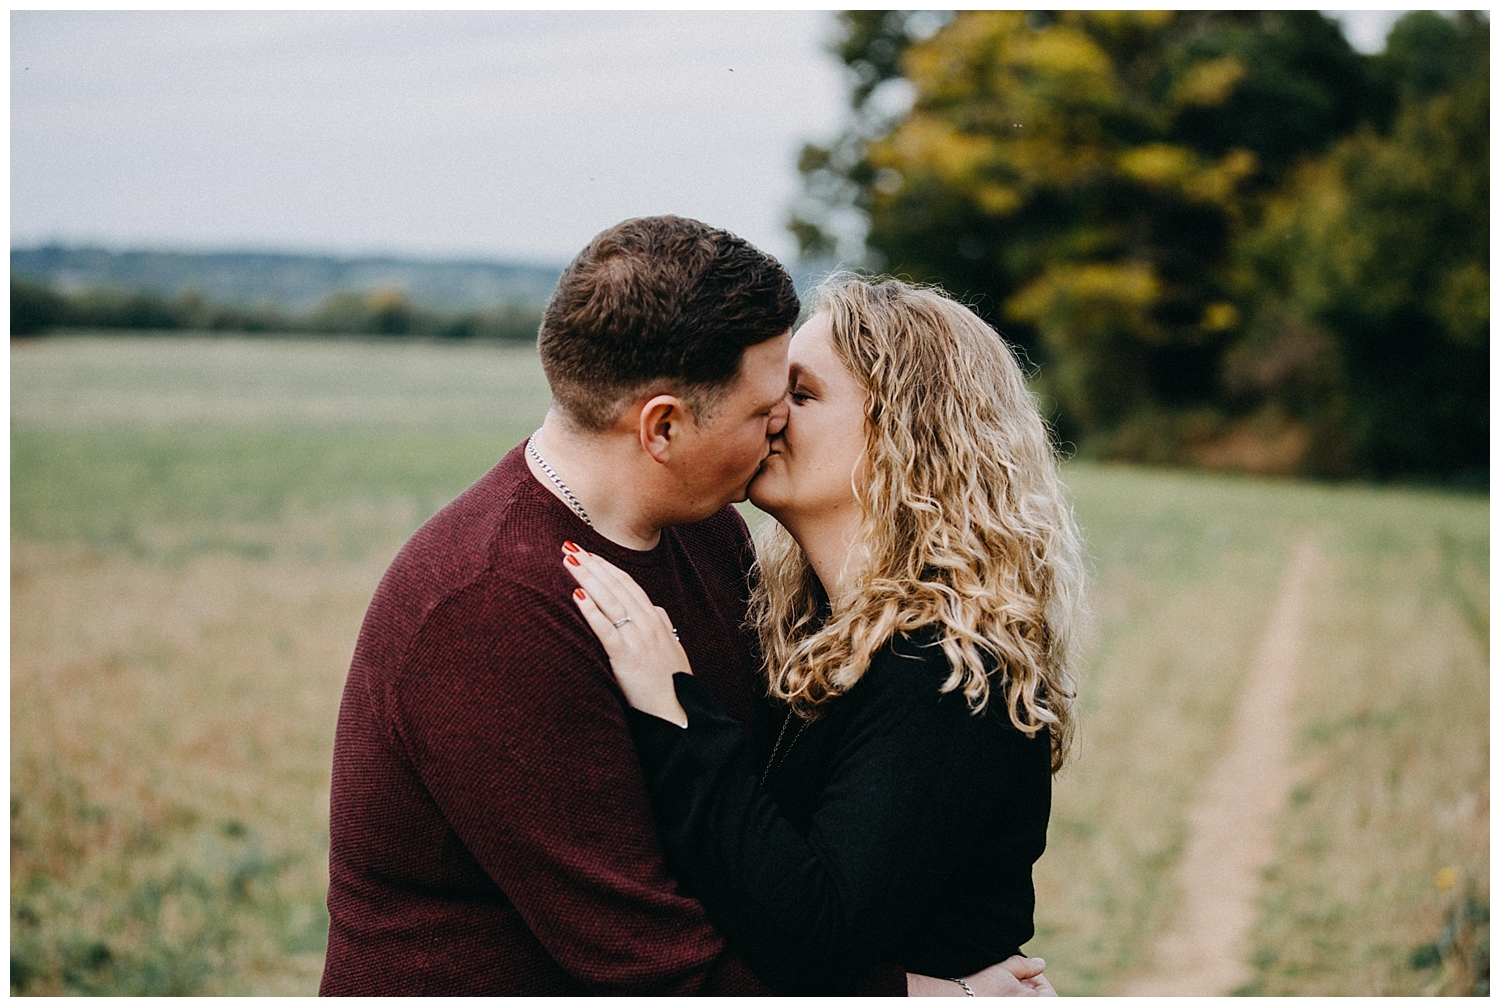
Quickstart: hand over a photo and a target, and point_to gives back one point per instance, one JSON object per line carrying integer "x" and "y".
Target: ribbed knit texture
{"x": 490, "y": 831}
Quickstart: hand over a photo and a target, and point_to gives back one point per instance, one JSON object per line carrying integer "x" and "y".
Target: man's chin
{"x": 740, "y": 495}
{"x": 750, "y": 486}
{"x": 760, "y": 470}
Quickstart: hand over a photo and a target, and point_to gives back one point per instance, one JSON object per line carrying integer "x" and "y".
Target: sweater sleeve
{"x": 809, "y": 911}
{"x": 517, "y": 733}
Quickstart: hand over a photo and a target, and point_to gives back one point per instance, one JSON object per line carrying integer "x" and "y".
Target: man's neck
{"x": 599, "y": 470}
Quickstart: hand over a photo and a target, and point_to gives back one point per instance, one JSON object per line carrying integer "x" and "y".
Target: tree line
{"x": 1223, "y": 238}
{"x": 36, "y": 308}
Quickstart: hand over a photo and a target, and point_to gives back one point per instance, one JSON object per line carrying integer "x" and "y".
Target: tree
{"x": 1106, "y": 186}
{"x": 1384, "y": 245}
{"x": 34, "y": 308}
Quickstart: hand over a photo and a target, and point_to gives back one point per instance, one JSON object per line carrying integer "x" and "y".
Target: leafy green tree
{"x": 1083, "y": 173}
{"x": 1134, "y": 197}
{"x": 1384, "y": 246}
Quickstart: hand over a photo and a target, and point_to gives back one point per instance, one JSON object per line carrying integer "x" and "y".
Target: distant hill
{"x": 294, "y": 282}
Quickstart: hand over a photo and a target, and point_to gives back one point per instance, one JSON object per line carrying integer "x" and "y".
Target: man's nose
{"x": 777, "y": 423}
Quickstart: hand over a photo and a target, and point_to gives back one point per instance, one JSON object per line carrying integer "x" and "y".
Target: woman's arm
{"x": 908, "y": 789}
{"x": 902, "y": 803}
{"x": 1014, "y": 977}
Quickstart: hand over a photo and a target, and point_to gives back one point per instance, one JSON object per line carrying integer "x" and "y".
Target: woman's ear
{"x": 661, "y": 421}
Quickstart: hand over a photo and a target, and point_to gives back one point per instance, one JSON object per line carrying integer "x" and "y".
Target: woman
{"x": 916, "y": 606}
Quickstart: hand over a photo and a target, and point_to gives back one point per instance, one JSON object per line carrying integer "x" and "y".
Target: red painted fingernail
{"x": 578, "y": 593}
{"x": 571, "y": 547}
{"x": 570, "y": 558}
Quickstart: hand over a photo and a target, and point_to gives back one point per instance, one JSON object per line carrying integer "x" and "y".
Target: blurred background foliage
{"x": 1226, "y": 239}
{"x": 37, "y": 307}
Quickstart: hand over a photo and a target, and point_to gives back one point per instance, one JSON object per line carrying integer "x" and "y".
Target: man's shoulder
{"x": 489, "y": 541}
{"x": 479, "y": 599}
{"x": 459, "y": 541}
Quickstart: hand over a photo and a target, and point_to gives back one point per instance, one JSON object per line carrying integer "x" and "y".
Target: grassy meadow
{"x": 198, "y": 524}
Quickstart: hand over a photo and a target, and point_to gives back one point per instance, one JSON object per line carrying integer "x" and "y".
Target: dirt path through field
{"x": 1204, "y": 949}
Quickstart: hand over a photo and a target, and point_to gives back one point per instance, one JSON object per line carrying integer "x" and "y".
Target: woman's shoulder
{"x": 900, "y": 699}
{"x": 911, "y": 663}
{"x": 912, "y": 667}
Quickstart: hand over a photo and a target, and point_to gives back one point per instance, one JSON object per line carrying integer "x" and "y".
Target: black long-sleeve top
{"x": 898, "y": 827}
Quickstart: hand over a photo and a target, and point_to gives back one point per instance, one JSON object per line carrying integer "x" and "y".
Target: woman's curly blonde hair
{"x": 965, "y": 523}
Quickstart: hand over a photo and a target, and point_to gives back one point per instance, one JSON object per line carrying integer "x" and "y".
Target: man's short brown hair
{"x": 659, "y": 301}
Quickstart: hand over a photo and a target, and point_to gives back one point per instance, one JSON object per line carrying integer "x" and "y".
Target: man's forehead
{"x": 764, "y": 374}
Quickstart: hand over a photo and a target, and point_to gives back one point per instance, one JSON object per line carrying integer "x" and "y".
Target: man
{"x": 489, "y": 829}
{"x": 490, "y": 833}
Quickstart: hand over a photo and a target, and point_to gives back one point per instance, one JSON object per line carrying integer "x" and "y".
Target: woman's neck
{"x": 830, "y": 542}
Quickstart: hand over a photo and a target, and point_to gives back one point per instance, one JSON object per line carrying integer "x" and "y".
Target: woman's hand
{"x": 1014, "y": 977}
{"x": 638, "y": 637}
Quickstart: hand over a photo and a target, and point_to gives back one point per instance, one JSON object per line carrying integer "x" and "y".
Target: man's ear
{"x": 661, "y": 423}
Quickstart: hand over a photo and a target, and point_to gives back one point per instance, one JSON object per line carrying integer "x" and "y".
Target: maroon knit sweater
{"x": 490, "y": 832}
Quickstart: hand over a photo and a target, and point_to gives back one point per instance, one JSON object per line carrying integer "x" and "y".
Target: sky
{"x": 511, "y": 135}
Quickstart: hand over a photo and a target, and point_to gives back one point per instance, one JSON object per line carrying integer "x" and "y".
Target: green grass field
{"x": 197, "y": 526}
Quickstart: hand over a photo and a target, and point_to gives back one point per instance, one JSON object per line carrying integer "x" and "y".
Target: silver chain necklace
{"x": 771, "y": 764}
{"x": 562, "y": 487}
